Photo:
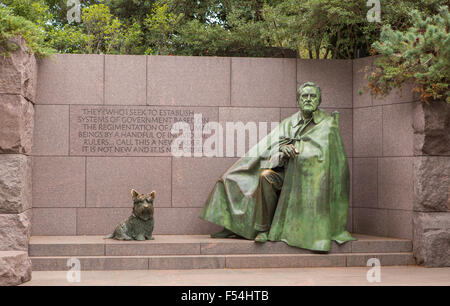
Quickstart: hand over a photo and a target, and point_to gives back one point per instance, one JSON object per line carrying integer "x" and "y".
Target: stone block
{"x": 240, "y": 246}
{"x": 370, "y": 221}
{"x": 432, "y": 239}
{"x": 367, "y": 132}
{"x": 350, "y": 218}
{"x": 15, "y": 268}
{"x": 71, "y": 79}
{"x": 286, "y": 112}
{"x": 187, "y": 81}
{"x": 15, "y": 230}
{"x": 16, "y": 124}
{"x": 189, "y": 175}
{"x": 125, "y": 79}
{"x": 400, "y": 223}
{"x": 100, "y": 221}
{"x": 365, "y": 182}
{"x": 431, "y": 183}
{"x": 186, "y": 262}
{"x": 246, "y": 114}
{"x": 284, "y": 261}
{"x": 168, "y": 221}
{"x": 187, "y": 222}
{"x": 110, "y": 180}
{"x": 398, "y": 259}
{"x": 90, "y": 263}
{"x": 263, "y": 82}
{"x": 248, "y": 125}
{"x": 66, "y": 246}
{"x": 403, "y": 94}
{"x": 398, "y": 133}
{"x": 150, "y": 247}
{"x": 15, "y": 183}
{"x": 346, "y": 128}
{"x": 388, "y": 245}
{"x": 361, "y": 69}
{"x": 51, "y": 130}
{"x": 395, "y": 183}
{"x": 58, "y": 181}
{"x": 54, "y": 221}
{"x": 431, "y": 125}
{"x": 18, "y": 72}
{"x": 334, "y": 78}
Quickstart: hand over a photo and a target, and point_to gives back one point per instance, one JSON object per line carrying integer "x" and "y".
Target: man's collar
{"x": 318, "y": 116}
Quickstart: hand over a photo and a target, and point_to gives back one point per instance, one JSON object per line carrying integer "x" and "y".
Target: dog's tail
{"x": 109, "y": 236}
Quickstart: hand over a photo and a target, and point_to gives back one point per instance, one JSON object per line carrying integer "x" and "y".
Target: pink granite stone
{"x": 334, "y": 77}
{"x": 16, "y": 124}
{"x": 51, "y": 130}
{"x": 15, "y": 230}
{"x": 367, "y": 132}
{"x": 110, "y": 179}
{"x": 125, "y": 79}
{"x": 365, "y": 182}
{"x": 71, "y": 79}
{"x": 15, "y": 268}
{"x": 18, "y": 72}
{"x": 398, "y": 133}
{"x": 15, "y": 183}
{"x": 54, "y": 221}
{"x": 58, "y": 181}
{"x": 188, "y": 80}
{"x": 263, "y": 82}
{"x": 191, "y": 183}
{"x": 361, "y": 95}
{"x": 395, "y": 183}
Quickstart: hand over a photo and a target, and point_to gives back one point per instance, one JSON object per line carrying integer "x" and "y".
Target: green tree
{"x": 419, "y": 54}
{"x": 161, "y": 25}
{"x": 27, "y": 19}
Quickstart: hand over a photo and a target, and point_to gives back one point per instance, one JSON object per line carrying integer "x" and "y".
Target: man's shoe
{"x": 261, "y": 237}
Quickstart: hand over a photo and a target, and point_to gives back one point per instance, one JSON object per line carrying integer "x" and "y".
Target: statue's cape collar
{"x": 318, "y": 116}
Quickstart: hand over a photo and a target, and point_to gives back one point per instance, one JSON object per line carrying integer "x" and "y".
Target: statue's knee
{"x": 266, "y": 175}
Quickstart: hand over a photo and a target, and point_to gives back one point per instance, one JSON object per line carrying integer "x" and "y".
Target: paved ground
{"x": 400, "y": 275}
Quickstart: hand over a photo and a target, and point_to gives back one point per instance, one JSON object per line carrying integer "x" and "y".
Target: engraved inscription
{"x": 129, "y": 130}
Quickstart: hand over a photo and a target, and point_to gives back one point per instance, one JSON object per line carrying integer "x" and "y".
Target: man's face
{"x": 309, "y": 99}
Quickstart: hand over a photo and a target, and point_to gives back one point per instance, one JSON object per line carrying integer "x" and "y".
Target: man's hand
{"x": 289, "y": 150}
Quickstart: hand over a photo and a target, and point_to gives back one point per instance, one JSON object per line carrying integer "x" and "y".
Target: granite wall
{"x": 17, "y": 94}
{"x": 82, "y": 185}
{"x": 383, "y": 158}
{"x": 431, "y": 218}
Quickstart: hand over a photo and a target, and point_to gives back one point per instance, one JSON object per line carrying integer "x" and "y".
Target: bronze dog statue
{"x": 139, "y": 226}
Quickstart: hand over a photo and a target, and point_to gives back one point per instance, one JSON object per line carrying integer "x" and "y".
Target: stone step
{"x": 41, "y": 246}
{"x": 178, "y": 262}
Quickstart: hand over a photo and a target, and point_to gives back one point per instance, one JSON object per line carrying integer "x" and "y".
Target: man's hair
{"x": 309, "y": 84}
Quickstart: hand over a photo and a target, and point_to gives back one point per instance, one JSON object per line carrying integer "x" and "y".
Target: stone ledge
{"x": 41, "y": 246}
{"x": 15, "y": 268}
{"x": 241, "y": 261}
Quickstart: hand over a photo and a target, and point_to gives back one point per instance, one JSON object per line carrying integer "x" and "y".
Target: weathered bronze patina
{"x": 139, "y": 226}
{"x": 293, "y": 186}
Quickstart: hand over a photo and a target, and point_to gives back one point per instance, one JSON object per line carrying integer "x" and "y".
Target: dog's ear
{"x": 134, "y": 194}
{"x": 153, "y": 195}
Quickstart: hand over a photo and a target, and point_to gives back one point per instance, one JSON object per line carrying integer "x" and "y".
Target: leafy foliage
{"x": 419, "y": 54}
{"x": 310, "y": 28}
{"x": 30, "y": 28}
